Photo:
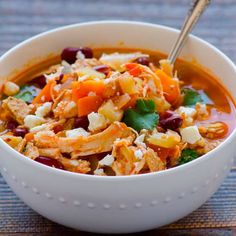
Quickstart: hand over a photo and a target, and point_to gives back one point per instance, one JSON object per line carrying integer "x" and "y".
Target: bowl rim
{"x": 173, "y": 170}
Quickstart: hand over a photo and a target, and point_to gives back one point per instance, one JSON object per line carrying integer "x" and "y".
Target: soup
{"x": 114, "y": 112}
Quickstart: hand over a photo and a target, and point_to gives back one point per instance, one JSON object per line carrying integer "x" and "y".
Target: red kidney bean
{"x": 69, "y": 54}
{"x": 170, "y": 120}
{"x": 39, "y": 80}
{"x": 143, "y": 61}
{"x": 66, "y": 155}
{"x": 11, "y": 124}
{"x": 81, "y": 122}
{"x": 102, "y": 69}
{"x": 20, "y": 131}
{"x": 88, "y": 53}
{"x": 168, "y": 164}
{"x": 50, "y": 162}
{"x": 60, "y": 78}
{"x": 167, "y": 114}
{"x": 102, "y": 155}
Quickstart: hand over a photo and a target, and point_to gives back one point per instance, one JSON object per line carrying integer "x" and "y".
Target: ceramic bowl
{"x": 122, "y": 204}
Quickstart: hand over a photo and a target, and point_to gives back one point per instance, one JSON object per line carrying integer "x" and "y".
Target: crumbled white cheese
{"x": 54, "y": 75}
{"x": 136, "y": 165}
{"x": 39, "y": 128}
{"x": 76, "y": 133}
{"x": 66, "y": 67}
{"x": 41, "y": 134}
{"x": 188, "y": 111}
{"x": 96, "y": 121}
{"x": 44, "y": 110}
{"x": 80, "y": 55}
{"x": 190, "y": 134}
{"x": 138, "y": 154}
{"x": 57, "y": 87}
{"x": 107, "y": 160}
{"x": 31, "y": 121}
{"x": 70, "y": 106}
{"x": 139, "y": 141}
{"x": 74, "y": 162}
{"x": 82, "y": 78}
{"x": 98, "y": 172}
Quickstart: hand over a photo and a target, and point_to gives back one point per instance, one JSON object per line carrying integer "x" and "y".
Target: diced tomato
{"x": 133, "y": 68}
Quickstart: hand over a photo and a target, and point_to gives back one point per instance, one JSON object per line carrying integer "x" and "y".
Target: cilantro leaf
{"x": 191, "y": 97}
{"x": 145, "y": 106}
{"x": 143, "y": 116}
{"x": 27, "y": 93}
{"x": 140, "y": 121}
{"x": 187, "y": 156}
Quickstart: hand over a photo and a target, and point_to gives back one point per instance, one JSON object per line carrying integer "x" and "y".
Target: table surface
{"x": 21, "y": 19}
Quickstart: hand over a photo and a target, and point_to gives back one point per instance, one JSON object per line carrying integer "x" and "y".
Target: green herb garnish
{"x": 27, "y": 93}
{"x": 143, "y": 116}
{"x": 145, "y": 106}
{"x": 187, "y": 156}
{"x": 191, "y": 97}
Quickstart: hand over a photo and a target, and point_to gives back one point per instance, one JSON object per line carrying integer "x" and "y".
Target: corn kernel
{"x": 10, "y": 88}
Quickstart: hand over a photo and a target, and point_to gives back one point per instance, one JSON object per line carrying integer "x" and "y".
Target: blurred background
{"x": 21, "y": 19}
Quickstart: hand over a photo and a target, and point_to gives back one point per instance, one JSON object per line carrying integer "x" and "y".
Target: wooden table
{"x": 20, "y": 19}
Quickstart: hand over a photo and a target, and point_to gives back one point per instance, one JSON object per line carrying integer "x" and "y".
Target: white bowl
{"x": 127, "y": 203}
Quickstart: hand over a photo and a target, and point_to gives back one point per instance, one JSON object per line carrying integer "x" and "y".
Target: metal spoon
{"x": 194, "y": 14}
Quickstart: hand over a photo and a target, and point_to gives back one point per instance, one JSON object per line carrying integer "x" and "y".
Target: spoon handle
{"x": 194, "y": 14}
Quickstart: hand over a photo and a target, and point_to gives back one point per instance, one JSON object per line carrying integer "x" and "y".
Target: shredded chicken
{"x": 46, "y": 139}
{"x": 17, "y": 107}
{"x": 65, "y": 109}
{"x": 50, "y": 152}
{"x": 96, "y": 143}
{"x": 79, "y": 166}
{"x": 31, "y": 151}
{"x": 18, "y": 143}
{"x": 154, "y": 163}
